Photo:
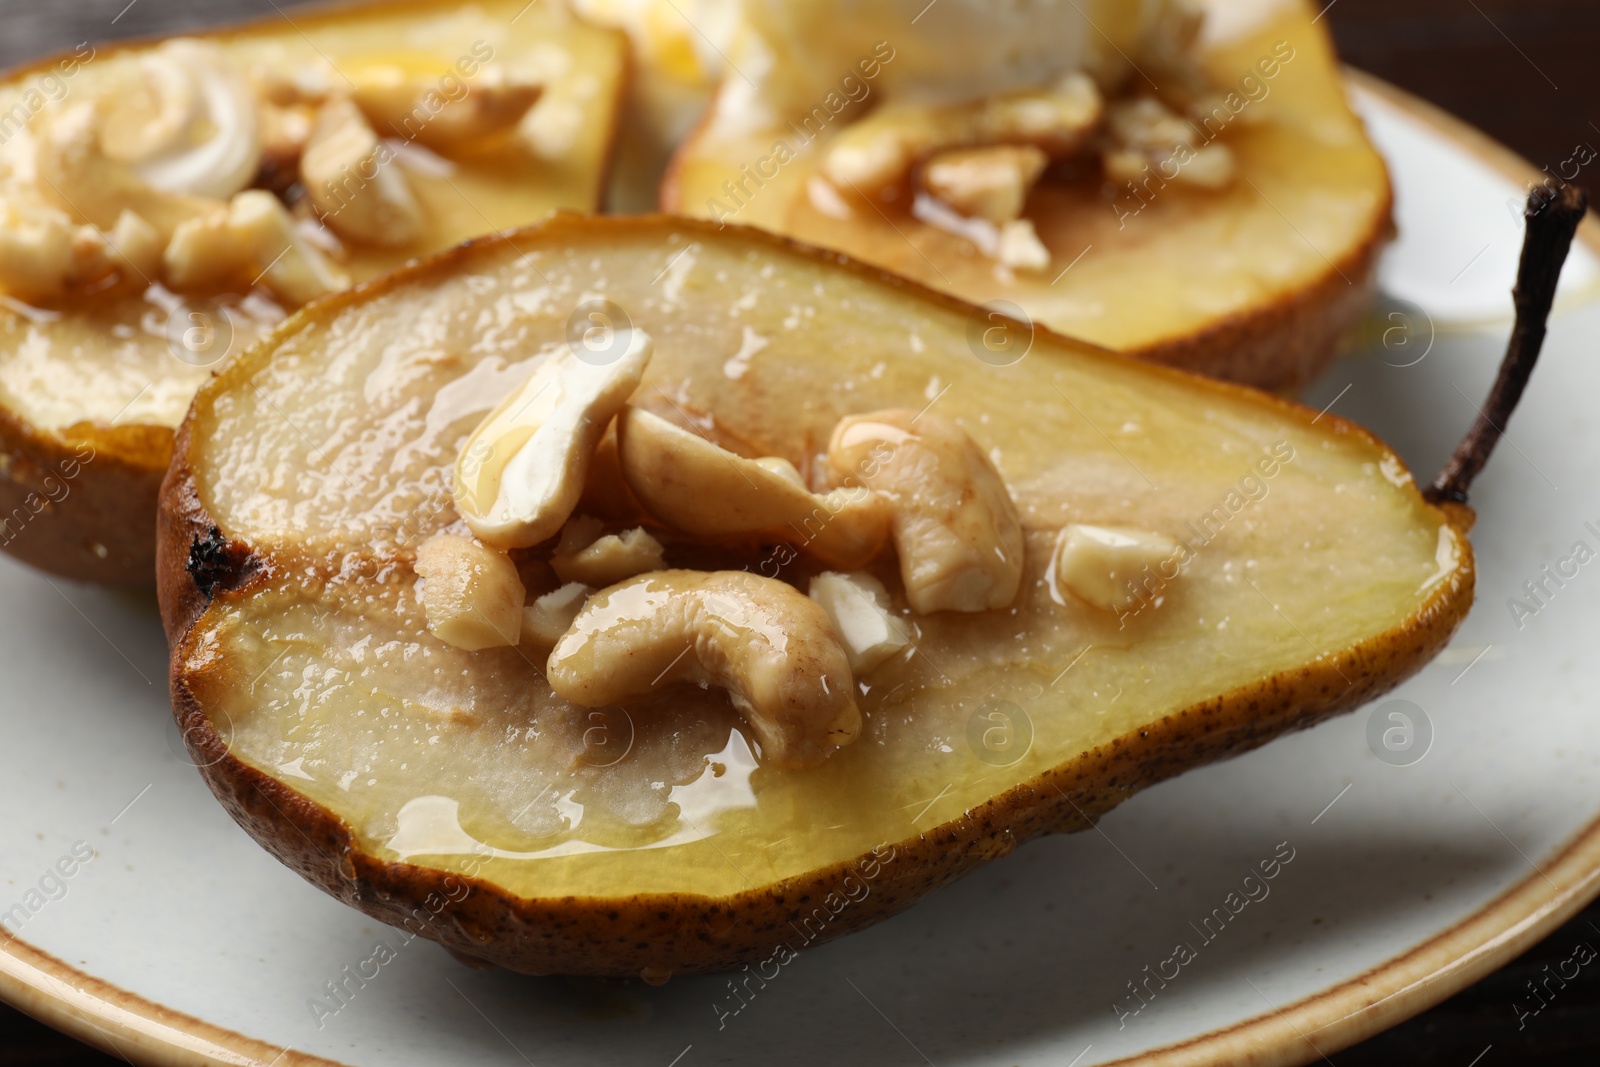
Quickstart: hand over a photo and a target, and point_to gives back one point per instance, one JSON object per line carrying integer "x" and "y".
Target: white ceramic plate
{"x": 180, "y": 941}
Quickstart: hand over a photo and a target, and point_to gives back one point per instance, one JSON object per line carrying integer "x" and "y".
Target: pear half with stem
{"x": 1257, "y": 281}
{"x": 427, "y": 122}
{"x": 453, "y": 792}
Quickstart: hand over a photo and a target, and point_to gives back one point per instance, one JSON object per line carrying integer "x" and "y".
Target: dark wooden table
{"x": 1525, "y": 71}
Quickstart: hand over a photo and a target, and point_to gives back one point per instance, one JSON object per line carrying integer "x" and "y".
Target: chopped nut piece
{"x": 1103, "y": 565}
{"x": 35, "y": 250}
{"x": 134, "y": 243}
{"x": 207, "y": 251}
{"x": 42, "y": 255}
{"x": 132, "y": 249}
{"x": 880, "y": 150}
{"x": 987, "y": 183}
{"x": 1211, "y": 167}
{"x": 579, "y": 533}
{"x": 471, "y": 594}
{"x": 1058, "y": 119}
{"x": 1150, "y": 138}
{"x": 983, "y": 234}
{"x": 955, "y": 525}
{"x": 824, "y": 196}
{"x": 251, "y": 240}
{"x": 550, "y": 616}
{"x": 350, "y": 181}
{"x": 521, "y": 472}
{"x": 1146, "y": 123}
{"x": 858, "y": 606}
{"x": 1020, "y": 247}
{"x": 770, "y": 647}
{"x": 610, "y": 559}
{"x": 1124, "y": 165}
{"x": 552, "y": 127}
{"x": 693, "y": 485}
{"x": 91, "y": 256}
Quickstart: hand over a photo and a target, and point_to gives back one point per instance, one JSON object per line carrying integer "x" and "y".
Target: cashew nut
{"x": 350, "y": 182}
{"x": 550, "y": 616}
{"x": 858, "y": 606}
{"x": 693, "y": 485}
{"x": 955, "y": 525}
{"x": 251, "y": 240}
{"x": 1106, "y": 565}
{"x": 880, "y": 150}
{"x": 407, "y": 101}
{"x": 987, "y": 183}
{"x": 470, "y": 594}
{"x": 520, "y": 473}
{"x": 771, "y": 648}
{"x": 189, "y": 125}
{"x": 584, "y": 555}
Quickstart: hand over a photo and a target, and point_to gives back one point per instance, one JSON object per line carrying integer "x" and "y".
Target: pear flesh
{"x": 1259, "y": 281}
{"x": 94, "y": 386}
{"x": 1310, "y": 576}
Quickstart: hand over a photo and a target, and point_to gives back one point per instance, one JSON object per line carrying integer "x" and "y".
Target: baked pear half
{"x": 1182, "y": 182}
{"x": 639, "y": 597}
{"x": 165, "y": 203}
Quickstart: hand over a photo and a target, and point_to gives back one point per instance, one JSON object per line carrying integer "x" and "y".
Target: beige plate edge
{"x": 138, "y": 1030}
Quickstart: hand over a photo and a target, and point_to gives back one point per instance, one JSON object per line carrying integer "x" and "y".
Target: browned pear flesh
{"x": 1259, "y": 282}
{"x": 92, "y": 387}
{"x": 454, "y": 792}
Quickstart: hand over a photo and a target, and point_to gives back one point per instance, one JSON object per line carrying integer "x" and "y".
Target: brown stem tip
{"x": 1552, "y": 222}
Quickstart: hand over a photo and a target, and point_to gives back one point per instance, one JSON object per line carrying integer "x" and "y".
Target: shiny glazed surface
{"x": 117, "y": 358}
{"x": 332, "y": 462}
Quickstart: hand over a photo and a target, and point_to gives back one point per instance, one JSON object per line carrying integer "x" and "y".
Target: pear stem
{"x": 1552, "y": 222}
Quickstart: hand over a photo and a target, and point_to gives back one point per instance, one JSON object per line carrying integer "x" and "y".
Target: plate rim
{"x": 122, "y": 1023}
{"x": 1521, "y": 916}
{"x": 125, "y": 1024}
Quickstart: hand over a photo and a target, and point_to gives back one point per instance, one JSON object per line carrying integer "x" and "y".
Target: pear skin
{"x": 997, "y": 727}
